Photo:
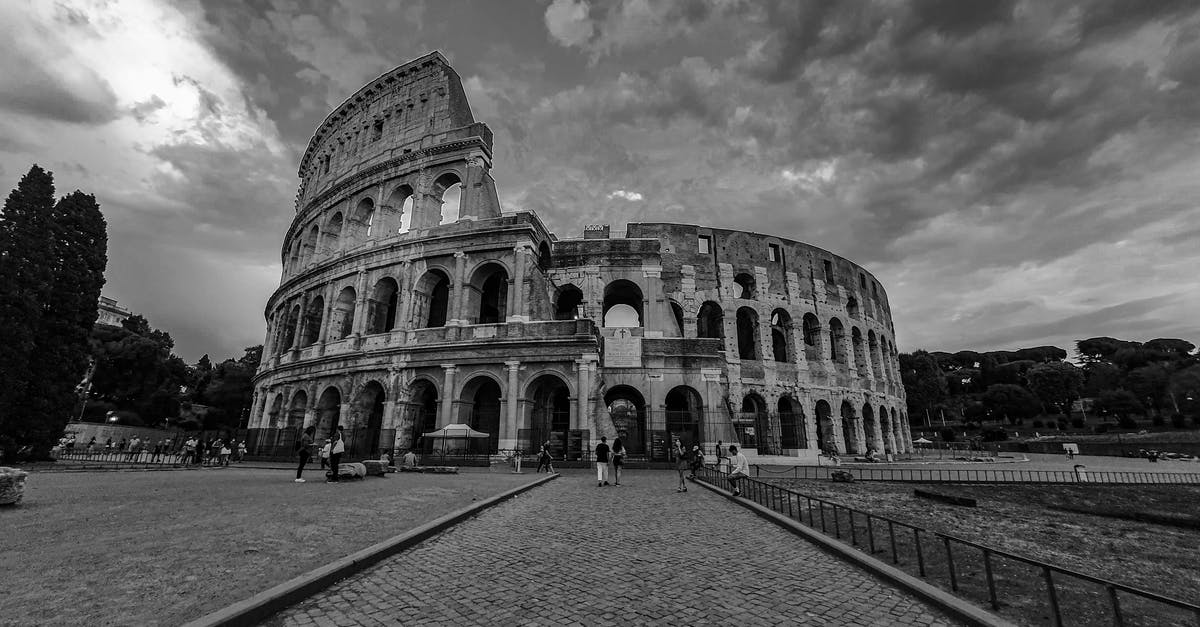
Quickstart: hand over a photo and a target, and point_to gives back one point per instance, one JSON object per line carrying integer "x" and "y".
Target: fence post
{"x": 1053, "y": 596}
{"x": 991, "y": 581}
{"x": 920, "y": 554}
{"x": 870, "y": 535}
{"x": 896, "y": 554}
{"x": 950, "y": 564}
{"x": 821, "y": 506}
{"x": 853, "y": 532}
{"x": 837, "y": 528}
{"x": 1118, "y": 620}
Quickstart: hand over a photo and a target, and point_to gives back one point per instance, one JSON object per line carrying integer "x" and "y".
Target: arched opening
{"x": 308, "y": 250}
{"x": 294, "y": 256}
{"x": 329, "y": 411}
{"x": 483, "y": 396}
{"x": 627, "y": 409}
{"x": 422, "y": 409}
{"x": 860, "y": 355}
{"x": 849, "y": 428}
{"x": 296, "y": 410}
{"x": 626, "y": 298}
{"x": 342, "y": 316}
{"x": 381, "y": 308}
{"x": 487, "y": 294}
{"x": 869, "y": 428}
{"x": 747, "y": 333}
{"x": 755, "y": 426}
{"x": 885, "y": 424}
{"x": 363, "y": 221}
{"x": 677, "y": 314}
{"x": 331, "y": 242}
{"x": 711, "y": 321}
{"x": 781, "y": 336}
{"x": 289, "y": 328}
{"x": 685, "y": 416}
{"x": 550, "y": 416}
{"x": 825, "y": 439}
{"x": 791, "y": 424}
{"x": 363, "y": 435}
{"x": 873, "y": 350}
{"x": 812, "y": 335}
{"x": 746, "y": 286}
{"x": 544, "y": 260}
{"x": 275, "y": 417}
{"x": 837, "y": 336}
{"x": 431, "y": 298}
{"x": 852, "y": 307}
{"x": 312, "y": 321}
{"x": 448, "y": 187}
{"x": 566, "y": 303}
{"x": 401, "y": 203}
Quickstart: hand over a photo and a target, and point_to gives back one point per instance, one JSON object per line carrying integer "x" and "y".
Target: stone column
{"x": 410, "y": 297}
{"x": 323, "y": 336}
{"x": 516, "y": 295}
{"x": 860, "y": 434}
{"x": 403, "y": 296}
{"x": 877, "y": 435}
{"x": 447, "y": 406}
{"x": 512, "y": 401}
{"x": 300, "y": 322}
{"x": 583, "y": 391}
{"x": 810, "y": 432}
{"x": 456, "y": 290}
{"x": 889, "y": 434}
{"x": 360, "y": 304}
{"x": 838, "y": 438}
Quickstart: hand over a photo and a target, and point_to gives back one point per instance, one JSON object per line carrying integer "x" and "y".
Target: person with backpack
{"x": 336, "y": 448}
{"x": 303, "y": 445}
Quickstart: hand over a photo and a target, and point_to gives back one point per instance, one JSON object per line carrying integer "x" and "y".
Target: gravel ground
{"x": 165, "y": 547}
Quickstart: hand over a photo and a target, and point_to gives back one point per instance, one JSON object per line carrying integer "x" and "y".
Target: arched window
{"x": 309, "y": 249}
{"x": 366, "y": 421}
{"x": 312, "y": 321}
{"x": 627, "y": 410}
{"x": 849, "y": 428}
{"x": 544, "y": 260}
{"x": 622, "y": 304}
{"x": 289, "y": 328}
{"x": 781, "y": 336}
{"x": 711, "y": 321}
{"x": 342, "y": 316}
{"x": 825, "y": 438}
{"x": 364, "y": 221}
{"x": 381, "y": 309}
{"x": 873, "y": 350}
{"x": 754, "y": 409}
{"x": 869, "y": 428}
{"x": 747, "y": 333}
{"x": 482, "y": 396}
{"x": 329, "y": 412}
{"x": 296, "y": 410}
{"x": 487, "y": 294}
{"x": 860, "y": 356}
{"x": 685, "y": 412}
{"x": 852, "y": 307}
{"x": 677, "y": 314}
{"x": 431, "y": 298}
{"x": 550, "y": 415}
{"x": 331, "y": 242}
{"x": 837, "y": 336}
{"x": 448, "y": 187}
{"x": 791, "y": 424}
{"x": 400, "y": 204}
{"x": 746, "y": 286}
{"x": 566, "y": 304}
{"x": 422, "y": 408}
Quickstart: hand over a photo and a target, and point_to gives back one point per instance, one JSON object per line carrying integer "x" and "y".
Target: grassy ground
{"x": 1144, "y": 536}
{"x": 164, "y": 547}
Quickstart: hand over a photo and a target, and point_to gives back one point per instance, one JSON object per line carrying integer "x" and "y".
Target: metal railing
{"x": 981, "y": 475}
{"x": 933, "y": 556}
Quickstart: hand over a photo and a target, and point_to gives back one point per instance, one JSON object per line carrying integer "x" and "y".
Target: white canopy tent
{"x": 454, "y": 436}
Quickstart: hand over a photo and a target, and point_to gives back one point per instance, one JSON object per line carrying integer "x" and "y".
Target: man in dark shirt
{"x": 602, "y": 462}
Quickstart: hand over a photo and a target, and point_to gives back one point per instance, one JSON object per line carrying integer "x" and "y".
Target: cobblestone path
{"x": 572, "y": 553}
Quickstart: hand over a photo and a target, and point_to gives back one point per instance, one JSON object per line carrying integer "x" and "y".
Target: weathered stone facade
{"x": 394, "y": 318}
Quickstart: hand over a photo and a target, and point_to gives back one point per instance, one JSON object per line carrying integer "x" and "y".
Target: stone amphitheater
{"x": 410, "y": 300}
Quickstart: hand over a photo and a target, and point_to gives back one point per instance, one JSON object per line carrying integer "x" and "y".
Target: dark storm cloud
{"x": 1117, "y": 318}
{"x": 28, "y": 88}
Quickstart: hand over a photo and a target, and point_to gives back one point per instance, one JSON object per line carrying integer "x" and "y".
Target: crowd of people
{"x": 192, "y": 450}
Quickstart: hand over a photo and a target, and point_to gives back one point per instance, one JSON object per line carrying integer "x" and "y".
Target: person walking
{"x": 681, "y": 464}
{"x": 544, "y": 459}
{"x": 336, "y": 448}
{"x": 741, "y": 469}
{"x": 697, "y": 460}
{"x": 225, "y": 452}
{"x": 618, "y": 459}
{"x": 241, "y": 451}
{"x": 189, "y": 451}
{"x": 157, "y": 452}
{"x": 200, "y": 451}
{"x": 602, "y": 452}
{"x": 302, "y": 450}
{"x": 324, "y": 454}
{"x": 91, "y": 445}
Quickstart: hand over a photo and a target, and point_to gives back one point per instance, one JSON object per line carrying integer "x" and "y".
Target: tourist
{"x": 602, "y": 462}
{"x": 410, "y": 459}
{"x": 336, "y": 448}
{"x": 720, "y": 452}
{"x": 544, "y": 459}
{"x": 324, "y": 454}
{"x": 122, "y": 447}
{"x": 200, "y": 451}
{"x": 681, "y": 464}
{"x": 135, "y": 447}
{"x": 741, "y": 469}
{"x": 241, "y": 451}
{"x": 189, "y": 450}
{"x": 91, "y": 445}
{"x": 225, "y": 452}
{"x": 618, "y": 459}
{"x": 108, "y": 446}
{"x": 302, "y": 450}
{"x": 697, "y": 460}
{"x": 156, "y": 452}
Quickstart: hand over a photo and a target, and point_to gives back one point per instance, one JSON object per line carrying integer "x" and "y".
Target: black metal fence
{"x": 955, "y": 563}
{"x": 980, "y": 475}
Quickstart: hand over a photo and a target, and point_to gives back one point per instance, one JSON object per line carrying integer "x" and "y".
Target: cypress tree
{"x": 25, "y": 278}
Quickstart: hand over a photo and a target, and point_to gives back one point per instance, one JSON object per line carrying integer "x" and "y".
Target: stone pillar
{"x": 837, "y": 437}
{"x": 877, "y": 435}
{"x": 810, "y": 432}
{"x": 516, "y": 294}
{"x": 583, "y": 391}
{"x": 360, "y": 304}
{"x": 456, "y": 290}
{"x": 653, "y": 320}
{"x": 410, "y": 297}
{"x": 303, "y": 302}
{"x": 323, "y": 336}
{"x": 512, "y": 401}
{"x": 447, "y": 405}
{"x": 860, "y": 434}
{"x": 889, "y": 434}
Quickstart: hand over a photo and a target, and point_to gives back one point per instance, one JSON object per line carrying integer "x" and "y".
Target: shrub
{"x": 971, "y": 426}
{"x": 994, "y": 435}
{"x": 1062, "y": 425}
{"x": 1038, "y": 424}
{"x": 1178, "y": 421}
{"x": 1101, "y": 428}
{"x": 1125, "y": 422}
{"x": 947, "y": 434}
{"x": 1077, "y": 423}
{"x": 1158, "y": 420}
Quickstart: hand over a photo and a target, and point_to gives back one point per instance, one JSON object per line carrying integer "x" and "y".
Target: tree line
{"x": 1115, "y": 379}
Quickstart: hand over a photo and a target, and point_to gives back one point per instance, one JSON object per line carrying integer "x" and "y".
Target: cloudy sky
{"x": 1016, "y": 174}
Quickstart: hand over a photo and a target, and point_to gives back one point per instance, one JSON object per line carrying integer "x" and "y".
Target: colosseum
{"x": 411, "y": 300}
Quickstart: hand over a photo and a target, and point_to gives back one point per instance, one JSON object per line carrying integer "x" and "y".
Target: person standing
{"x": 741, "y": 469}
{"x": 544, "y": 459}
{"x": 241, "y": 451}
{"x": 91, "y": 445}
{"x": 681, "y": 464}
{"x": 324, "y": 454}
{"x": 697, "y": 460}
{"x": 189, "y": 450}
{"x": 157, "y": 453}
{"x": 302, "y": 450}
{"x": 336, "y": 448}
{"x": 602, "y": 452}
{"x": 225, "y": 452}
{"x": 200, "y": 451}
{"x": 618, "y": 459}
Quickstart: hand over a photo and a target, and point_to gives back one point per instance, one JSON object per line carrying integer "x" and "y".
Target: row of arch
{"x": 747, "y": 289}
{"x": 362, "y": 221}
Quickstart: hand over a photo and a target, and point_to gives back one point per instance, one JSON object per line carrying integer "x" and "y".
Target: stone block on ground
{"x": 352, "y": 470}
{"x": 375, "y": 467}
{"x": 12, "y": 485}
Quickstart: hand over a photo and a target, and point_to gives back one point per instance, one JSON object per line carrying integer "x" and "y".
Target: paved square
{"x": 572, "y": 553}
